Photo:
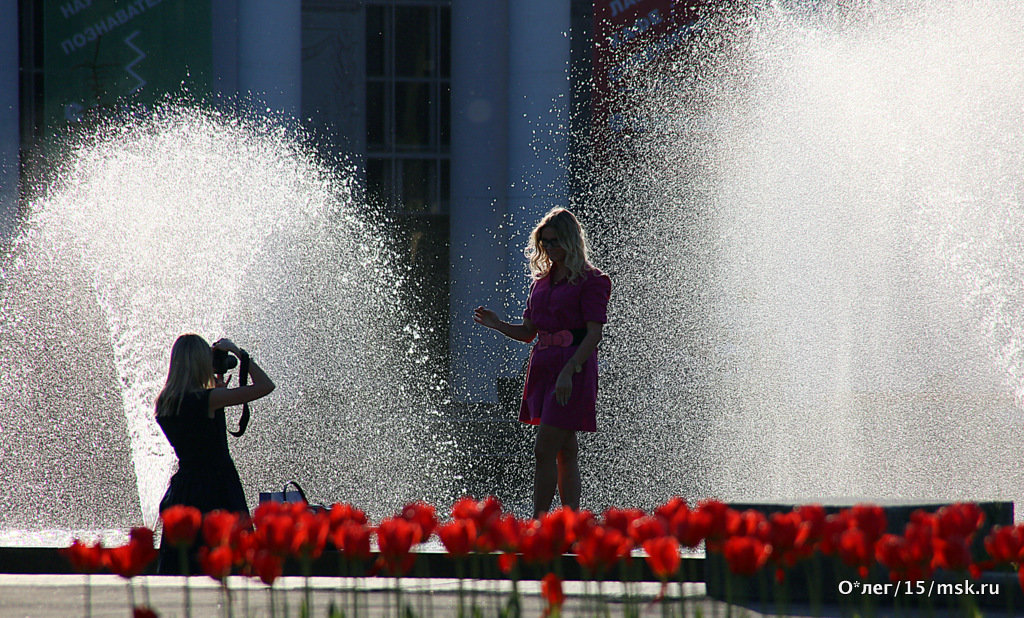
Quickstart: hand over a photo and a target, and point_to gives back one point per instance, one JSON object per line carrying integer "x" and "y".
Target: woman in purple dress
{"x": 566, "y": 312}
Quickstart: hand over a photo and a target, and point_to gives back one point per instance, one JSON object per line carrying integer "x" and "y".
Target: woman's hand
{"x": 486, "y": 317}
{"x": 563, "y": 385}
{"x": 227, "y": 345}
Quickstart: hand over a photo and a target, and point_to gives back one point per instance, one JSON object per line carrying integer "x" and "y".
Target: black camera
{"x": 223, "y": 362}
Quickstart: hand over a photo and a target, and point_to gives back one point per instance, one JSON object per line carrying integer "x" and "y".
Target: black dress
{"x": 206, "y": 476}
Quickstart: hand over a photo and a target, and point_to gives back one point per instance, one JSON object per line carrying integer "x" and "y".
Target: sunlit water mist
{"x": 187, "y": 219}
{"x": 817, "y": 256}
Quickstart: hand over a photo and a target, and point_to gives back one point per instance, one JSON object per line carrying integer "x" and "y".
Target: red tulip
{"x": 274, "y": 531}
{"x": 671, "y": 509}
{"x": 244, "y": 545}
{"x": 340, "y": 514}
{"x": 952, "y": 553}
{"x": 745, "y": 555}
{"x": 812, "y": 527}
{"x": 743, "y": 524}
{"x": 309, "y": 534}
{"x": 489, "y": 509}
{"x": 782, "y": 531}
{"x": 132, "y": 559}
{"x": 959, "y": 520}
{"x": 690, "y": 528}
{"x": 1005, "y": 544}
{"x": 217, "y": 527}
{"x": 601, "y": 549}
{"x": 832, "y": 528}
{"x": 267, "y": 566}
{"x": 458, "y": 537}
{"x": 423, "y": 516}
{"x": 141, "y": 611}
{"x": 891, "y": 553}
{"x": 646, "y": 528}
{"x": 84, "y": 557}
{"x": 181, "y": 524}
{"x": 507, "y": 561}
{"x": 919, "y": 547}
{"x": 493, "y": 530}
{"x": 353, "y": 540}
{"x": 270, "y": 508}
{"x": 663, "y": 556}
{"x": 584, "y": 524}
{"x": 621, "y": 519}
{"x": 719, "y": 515}
{"x": 856, "y": 549}
{"x": 561, "y": 527}
{"x": 903, "y": 557}
{"x": 216, "y": 561}
{"x": 396, "y": 536}
{"x": 551, "y": 590}
{"x": 499, "y": 533}
{"x": 870, "y": 519}
{"x": 536, "y": 543}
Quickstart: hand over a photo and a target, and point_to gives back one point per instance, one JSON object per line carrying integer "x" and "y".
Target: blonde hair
{"x": 191, "y": 369}
{"x": 570, "y": 236}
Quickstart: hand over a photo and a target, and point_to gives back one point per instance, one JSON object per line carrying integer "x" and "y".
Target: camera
{"x": 223, "y": 362}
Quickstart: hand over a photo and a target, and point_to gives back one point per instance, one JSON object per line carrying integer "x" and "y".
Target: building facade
{"x": 458, "y": 116}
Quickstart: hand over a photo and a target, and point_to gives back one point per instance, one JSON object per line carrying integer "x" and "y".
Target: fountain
{"x": 189, "y": 218}
{"x": 823, "y": 219}
{"x": 812, "y": 245}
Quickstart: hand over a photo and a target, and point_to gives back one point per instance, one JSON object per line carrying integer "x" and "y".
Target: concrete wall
{"x": 538, "y": 111}
{"x": 479, "y": 176}
{"x": 510, "y": 121}
{"x": 270, "y": 53}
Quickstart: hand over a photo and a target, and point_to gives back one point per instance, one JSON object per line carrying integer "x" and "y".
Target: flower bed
{"x": 752, "y": 548}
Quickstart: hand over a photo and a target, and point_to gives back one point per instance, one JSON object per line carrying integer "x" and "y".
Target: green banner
{"x": 108, "y": 52}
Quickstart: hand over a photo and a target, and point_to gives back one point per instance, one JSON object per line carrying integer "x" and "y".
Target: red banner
{"x": 632, "y": 37}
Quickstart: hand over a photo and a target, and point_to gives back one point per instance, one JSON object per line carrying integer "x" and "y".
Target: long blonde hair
{"x": 191, "y": 369}
{"x": 570, "y": 236}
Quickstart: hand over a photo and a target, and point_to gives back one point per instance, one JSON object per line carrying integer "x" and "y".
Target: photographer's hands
{"x": 228, "y": 346}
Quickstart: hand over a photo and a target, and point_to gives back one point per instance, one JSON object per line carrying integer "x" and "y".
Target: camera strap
{"x": 243, "y": 380}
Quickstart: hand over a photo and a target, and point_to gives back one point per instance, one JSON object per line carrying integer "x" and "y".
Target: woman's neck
{"x": 558, "y": 271}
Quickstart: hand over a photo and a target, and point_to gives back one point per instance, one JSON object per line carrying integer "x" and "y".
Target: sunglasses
{"x": 550, "y": 242}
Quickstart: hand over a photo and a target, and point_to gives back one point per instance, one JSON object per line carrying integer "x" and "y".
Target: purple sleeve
{"x": 528, "y": 313}
{"x": 597, "y": 289}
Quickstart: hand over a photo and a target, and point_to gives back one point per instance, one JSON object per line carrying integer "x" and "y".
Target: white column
{"x": 478, "y": 181}
{"x": 538, "y": 112}
{"x": 270, "y": 53}
{"x": 10, "y": 133}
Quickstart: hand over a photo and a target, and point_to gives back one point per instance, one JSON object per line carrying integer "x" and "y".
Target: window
{"x": 408, "y": 103}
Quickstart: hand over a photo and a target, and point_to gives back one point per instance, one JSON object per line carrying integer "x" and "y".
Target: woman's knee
{"x": 548, "y": 443}
{"x": 570, "y": 450}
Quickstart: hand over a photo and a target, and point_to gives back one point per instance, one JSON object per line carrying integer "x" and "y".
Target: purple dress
{"x": 554, "y": 307}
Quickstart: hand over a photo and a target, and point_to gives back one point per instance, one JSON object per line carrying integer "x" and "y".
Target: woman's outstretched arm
{"x": 524, "y": 332}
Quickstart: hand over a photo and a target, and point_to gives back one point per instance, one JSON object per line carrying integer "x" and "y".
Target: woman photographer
{"x": 190, "y": 411}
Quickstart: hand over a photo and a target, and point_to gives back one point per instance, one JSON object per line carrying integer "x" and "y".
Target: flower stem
{"x": 88, "y": 595}
{"x": 183, "y": 566}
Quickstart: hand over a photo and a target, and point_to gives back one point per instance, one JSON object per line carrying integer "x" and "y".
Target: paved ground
{"x": 40, "y": 596}
{"x": 64, "y": 595}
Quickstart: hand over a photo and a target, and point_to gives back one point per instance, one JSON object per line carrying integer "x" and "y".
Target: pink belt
{"x": 558, "y": 339}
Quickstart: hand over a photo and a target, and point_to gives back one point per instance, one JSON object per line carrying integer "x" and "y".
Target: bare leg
{"x": 545, "y": 476}
{"x": 569, "y": 484}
